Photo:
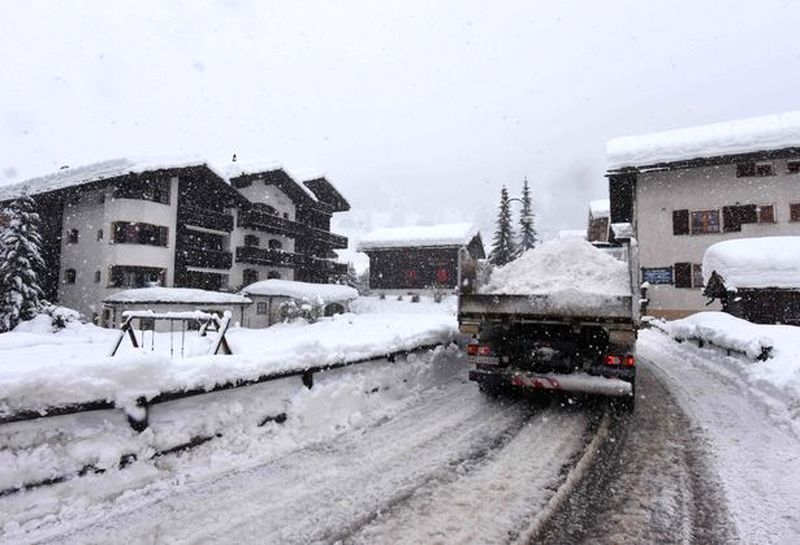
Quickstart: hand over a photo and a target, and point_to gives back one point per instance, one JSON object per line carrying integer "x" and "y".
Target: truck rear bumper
{"x": 576, "y": 382}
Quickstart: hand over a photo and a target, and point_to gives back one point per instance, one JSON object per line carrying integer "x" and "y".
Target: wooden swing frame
{"x": 209, "y": 322}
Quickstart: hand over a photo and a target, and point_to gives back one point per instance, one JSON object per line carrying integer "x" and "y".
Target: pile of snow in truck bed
{"x": 568, "y": 266}
{"x": 741, "y": 136}
{"x": 762, "y": 262}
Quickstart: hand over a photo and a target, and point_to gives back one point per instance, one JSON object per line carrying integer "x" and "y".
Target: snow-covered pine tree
{"x": 527, "y": 232}
{"x": 20, "y": 263}
{"x": 503, "y": 248}
{"x": 350, "y": 278}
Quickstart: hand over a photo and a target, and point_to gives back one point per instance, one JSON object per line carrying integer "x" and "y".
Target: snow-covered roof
{"x": 622, "y": 230}
{"x": 113, "y": 168}
{"x": 306, "y": 291}
{"x": 759, "y": 262}
{"x": 176, "y": 295}
{"x": 601, "y": 208}
{"x": 754, "y": 134}
{"x": 451, "y": 234}
{"x": 571, "y": 233}
{"x": 243, "y": 168}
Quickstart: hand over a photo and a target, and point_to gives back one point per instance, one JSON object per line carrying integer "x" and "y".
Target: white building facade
{"x": 682, "y": 194}
{"x": 129, "y": 223}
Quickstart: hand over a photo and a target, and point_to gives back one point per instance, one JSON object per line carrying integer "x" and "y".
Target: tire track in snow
{"x": 323, "y": 492}
{"x": 488, "y": 502}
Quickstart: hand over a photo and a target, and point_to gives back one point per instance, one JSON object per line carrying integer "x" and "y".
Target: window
{"x": 155, "y": 190}
{"x": 249, "y": 276}
{"x": 139, "y": 233}
{"x": 252, "y": 241}
{"x": 273, "y": 275}
{"x": 72, "y": 236}
{"x": 735, "y": 216}
{"x": 275, "y": 244}
{"x": 766, "y": 213}
{"x": 99, "y": 234}
{"x": 101, "y": 198}
{"x": 793, "y": 167}
{"x": 688, "y": 275}
{"x": 705, "y": 221}
{"x": 70, "y": 276}
{"x": 261, "y": 308}
{"x": 203, "y": 240}
{"x": 123, "y": 276}
{"x": 747, "y": 170}
{"x": 697, "y": 276}
{"x": 286, "y": 215}
{"x": 680, "y": 222}
{"x": 97, "y": 276}
{"x": 794, "y": 212}
{"x": 410, "y": 274}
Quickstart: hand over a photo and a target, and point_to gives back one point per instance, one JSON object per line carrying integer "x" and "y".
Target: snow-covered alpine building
{"x": 179, "y": 222}
{"x": 421, "y": 258}
{"x": 684, "y": 190}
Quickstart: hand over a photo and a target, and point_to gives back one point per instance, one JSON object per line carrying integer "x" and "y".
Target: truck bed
{"x": 563, "y": 307}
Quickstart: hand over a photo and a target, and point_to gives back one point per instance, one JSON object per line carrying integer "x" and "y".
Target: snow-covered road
{"x": 756, "y": 457}
{"x": 453, "y": 467}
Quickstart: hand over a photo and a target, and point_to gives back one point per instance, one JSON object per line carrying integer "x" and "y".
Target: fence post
{"x": 308, "y": 379}
{"x": 139, "y": 421}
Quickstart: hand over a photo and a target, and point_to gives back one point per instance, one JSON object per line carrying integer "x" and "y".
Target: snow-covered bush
{"x": 60, "y": 316}
{"x": 290, "y": 311}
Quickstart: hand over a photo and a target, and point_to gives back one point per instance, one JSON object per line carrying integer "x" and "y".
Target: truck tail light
{"x": 629, "y": 361}
{"x": 479, "y": 350}
{"x": 610, "y": 359}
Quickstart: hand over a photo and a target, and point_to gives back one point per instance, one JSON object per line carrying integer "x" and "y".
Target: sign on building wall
{"x": 657, "y": 275}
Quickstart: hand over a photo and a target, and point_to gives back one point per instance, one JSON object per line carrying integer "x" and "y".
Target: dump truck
{"x": 567, "y": 341}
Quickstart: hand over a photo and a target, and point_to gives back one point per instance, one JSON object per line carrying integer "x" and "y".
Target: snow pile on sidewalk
{"x": 768, "y": 132}
{"x": 567, "y": 268}
{"x": 762, "y": 262}
{"x": 778, "y": 377}
{"x": 39, "y": 370}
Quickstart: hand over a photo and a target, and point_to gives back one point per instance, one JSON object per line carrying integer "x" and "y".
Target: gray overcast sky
{"x": 417, "y": 111}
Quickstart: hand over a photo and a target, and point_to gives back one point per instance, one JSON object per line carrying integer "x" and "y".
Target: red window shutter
{"x": 680, "y": 222}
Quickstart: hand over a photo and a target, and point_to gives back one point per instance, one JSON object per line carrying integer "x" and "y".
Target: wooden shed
{"x": 757, "y": 279}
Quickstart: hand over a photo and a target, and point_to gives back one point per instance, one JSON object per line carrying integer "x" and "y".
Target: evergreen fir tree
{"x": 503, "y": 249}
{"x": 20, "y": 262}
{"x": 527, "y": 232}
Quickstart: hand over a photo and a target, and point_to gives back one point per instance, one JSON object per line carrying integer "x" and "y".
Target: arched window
{"x": 334, "y": 308}
{"x": 273, "y": 274}
{"x": 275, "y": 244}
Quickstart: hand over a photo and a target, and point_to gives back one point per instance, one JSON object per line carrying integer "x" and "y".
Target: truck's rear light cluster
{"x": 627, "y": 361}
{"x": 479, "y": 350}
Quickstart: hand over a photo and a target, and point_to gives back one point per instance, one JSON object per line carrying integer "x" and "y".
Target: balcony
{"x": 263, "y": 221}
{"x": 263, "y": 256}
{"x": 333, "y": 240}
{"x": 207, "y": 259}
{"x": 202, "y": 217}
